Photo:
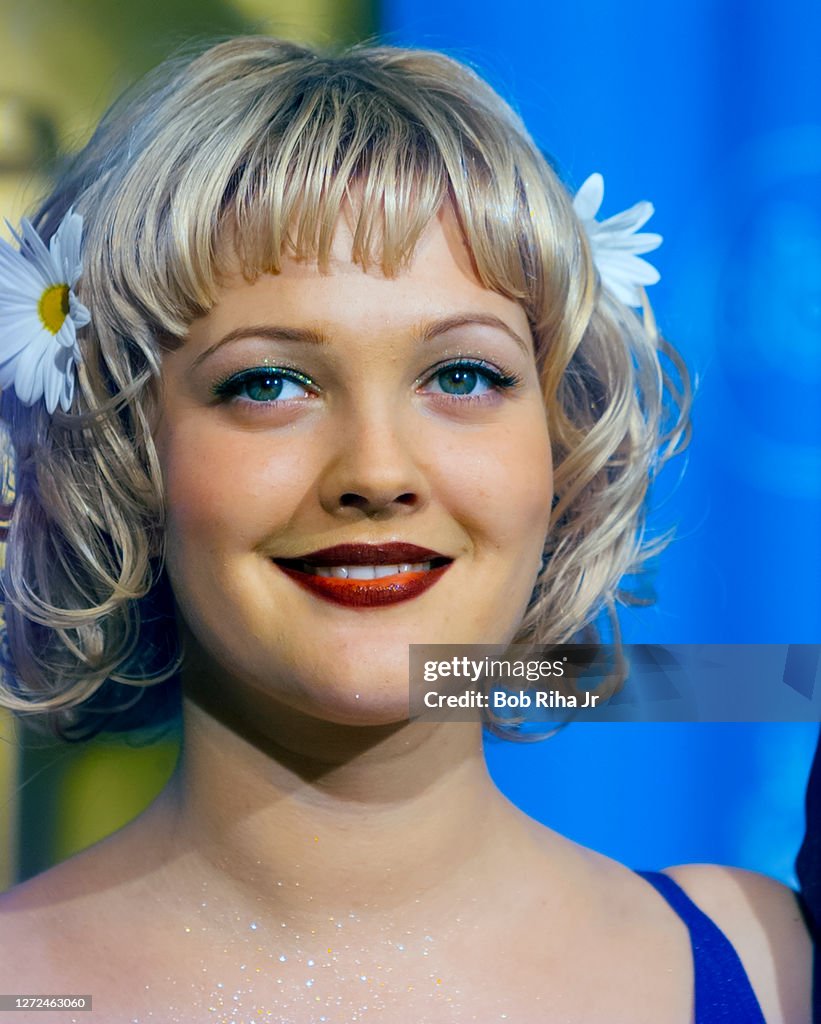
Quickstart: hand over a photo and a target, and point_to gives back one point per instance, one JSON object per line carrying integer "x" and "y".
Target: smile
{"x": 365, "y": 572}
{"x": 365, "y": 586}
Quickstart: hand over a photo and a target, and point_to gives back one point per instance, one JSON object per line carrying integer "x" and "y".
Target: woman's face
{"x": 309, "y": 410}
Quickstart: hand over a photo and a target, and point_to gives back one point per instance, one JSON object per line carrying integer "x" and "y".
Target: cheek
{"x": 504, "y": 486}
{"x": 502, "y": 491}
{"x": 228, "y": 491}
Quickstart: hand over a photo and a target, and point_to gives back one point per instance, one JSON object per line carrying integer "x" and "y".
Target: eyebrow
{"x": 450, "y": 323}
{"x": 269, "y": 333}
{"x": 430, "y": 331}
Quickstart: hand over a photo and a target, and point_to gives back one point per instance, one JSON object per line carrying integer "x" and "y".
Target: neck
{"x": 313, "y": 820}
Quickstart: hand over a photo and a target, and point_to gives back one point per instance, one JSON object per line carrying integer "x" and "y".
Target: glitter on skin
{"x": 241, "y": 1006}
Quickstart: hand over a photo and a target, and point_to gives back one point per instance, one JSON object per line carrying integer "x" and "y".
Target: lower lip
{"x": 367, "y": 593}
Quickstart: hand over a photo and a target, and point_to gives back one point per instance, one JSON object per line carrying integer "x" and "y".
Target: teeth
{"x": 366, "y": 572}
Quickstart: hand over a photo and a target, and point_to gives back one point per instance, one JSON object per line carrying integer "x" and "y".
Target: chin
{"x": 363, "y": 718}
{"x": 363, "y": 706}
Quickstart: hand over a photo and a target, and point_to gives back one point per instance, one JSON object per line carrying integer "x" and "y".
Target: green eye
{"x": 263, "y": 385}
{"x": 462, "y": 377}
{"x": 460, "y": 380}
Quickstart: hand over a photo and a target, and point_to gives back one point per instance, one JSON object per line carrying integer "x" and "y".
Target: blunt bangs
{"x": 300, "y": 143}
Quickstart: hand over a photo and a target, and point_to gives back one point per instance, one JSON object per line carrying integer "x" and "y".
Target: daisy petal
{"x": 66, "y": 337}
{"x": 52, "y": 385}
{"x": 644, "y": 242}
{"x": 28, "y": 378}
{"x": 67, "y": 392}
{"x": 78, "y": 312}
{"x": 589, "y": 197}
{"x": 8, "y": 368}
{"x": 24, "y": 290}
{"x": 629, "y": 220}
{"x": 65, "y": 246}
{"x": 59, "y": 380}
{"x": 33, "y": 249}
{"x": 16, "y": 270}
{"x": 629, "y": 294}
{"x": 626, "y": 268}
{"x": 18, "y": 337}
{"x": 643, "y": 271}
{"x": 614, "y": 243}
{"x": 12, "y": 318}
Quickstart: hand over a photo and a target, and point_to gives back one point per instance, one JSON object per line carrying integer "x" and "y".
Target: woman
{"x": 347, "y": 379}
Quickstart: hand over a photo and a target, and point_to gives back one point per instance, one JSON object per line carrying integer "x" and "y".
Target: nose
{"x": 372, "y": 469}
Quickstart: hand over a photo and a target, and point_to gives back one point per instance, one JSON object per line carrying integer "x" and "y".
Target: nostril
{"x": 353, "y": 501}
{"x": 372, "y": 506}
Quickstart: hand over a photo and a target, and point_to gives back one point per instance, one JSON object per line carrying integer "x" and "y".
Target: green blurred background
{"x": 62, "y": 64}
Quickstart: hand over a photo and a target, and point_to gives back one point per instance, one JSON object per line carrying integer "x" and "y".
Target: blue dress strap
{"x": 723, "y": 993}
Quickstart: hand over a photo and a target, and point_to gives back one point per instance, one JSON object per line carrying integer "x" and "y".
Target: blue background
{"x": 712, "y": 111}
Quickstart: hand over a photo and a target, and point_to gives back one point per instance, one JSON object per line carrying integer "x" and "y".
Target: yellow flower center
{"x": 53, "y": 307}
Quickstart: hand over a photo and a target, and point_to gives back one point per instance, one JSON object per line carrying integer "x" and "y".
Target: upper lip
{"x": 394, "y": 553}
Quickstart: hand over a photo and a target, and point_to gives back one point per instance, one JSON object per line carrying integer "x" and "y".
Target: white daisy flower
{"x": 40, "y": 314}
{"x": 615, "y": 243}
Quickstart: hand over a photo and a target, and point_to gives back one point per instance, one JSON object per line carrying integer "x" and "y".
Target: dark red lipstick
{"x": 366, "y": 593}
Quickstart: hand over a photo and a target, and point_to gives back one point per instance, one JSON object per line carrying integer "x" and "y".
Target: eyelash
{"x": 229, "y": 387}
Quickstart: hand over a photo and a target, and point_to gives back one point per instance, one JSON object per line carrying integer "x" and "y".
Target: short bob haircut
{"x": 252, "y": 148}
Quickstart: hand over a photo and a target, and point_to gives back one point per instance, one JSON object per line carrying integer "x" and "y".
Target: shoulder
{"x": 53, "y": 940}
{"x": 29, "y": 940}
{"x": 50, "y": 924}
{"x": 763, "y": 921}
{"x": 34, "y": 915}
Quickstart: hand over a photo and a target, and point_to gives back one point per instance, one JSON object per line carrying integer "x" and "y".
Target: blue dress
{"x": 723, "y": 993}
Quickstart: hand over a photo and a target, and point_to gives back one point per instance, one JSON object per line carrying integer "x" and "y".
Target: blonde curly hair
{"x": 267, "y": 140}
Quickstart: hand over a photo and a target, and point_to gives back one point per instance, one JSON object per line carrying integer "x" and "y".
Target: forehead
{"x": 438, "y": 279}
